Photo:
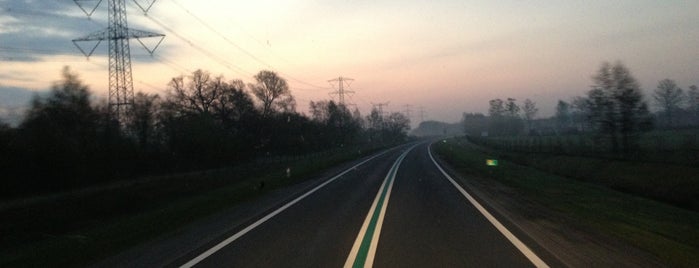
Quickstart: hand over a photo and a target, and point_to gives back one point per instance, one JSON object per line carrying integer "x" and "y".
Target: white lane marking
{"x": 538, "y": 262}
{"x": 371, "y": 252}
{"x": 237, "y": 235}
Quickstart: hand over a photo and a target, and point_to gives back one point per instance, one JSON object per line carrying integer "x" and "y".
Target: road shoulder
{"x": 558, "y": 238}
{"x": 179, "y": 246}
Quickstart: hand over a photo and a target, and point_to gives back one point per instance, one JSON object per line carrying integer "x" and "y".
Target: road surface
{"x": 397, "y": 209}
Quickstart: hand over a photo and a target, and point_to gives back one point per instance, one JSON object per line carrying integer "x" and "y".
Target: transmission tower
{"x": 341, "y": 91}
{"x": 118, "y": 34}
{"x": 379, "y": 107}
{"x": 422, "y": 114}
{"x": 408, "y": 110}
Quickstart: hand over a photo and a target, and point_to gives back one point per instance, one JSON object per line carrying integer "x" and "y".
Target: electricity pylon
{"x": 408, "y": 110}
{"x": 118, "y": 34}
{"x": 422, "y": 114}
{"x": 379, "y": 107}
{"x": 341, "y": 91}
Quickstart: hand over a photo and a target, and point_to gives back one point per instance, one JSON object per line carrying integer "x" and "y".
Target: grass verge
{"x": 665, "y": 231}
{"x": 81, "y": 228}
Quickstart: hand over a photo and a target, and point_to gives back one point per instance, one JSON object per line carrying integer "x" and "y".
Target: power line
{"x": 266, "y": 45}
{"x": 206, "y": 53}
{"x": 212, "y": 29}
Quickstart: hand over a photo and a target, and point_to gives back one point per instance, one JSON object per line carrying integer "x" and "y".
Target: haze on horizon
{"x": 449, "y": 56}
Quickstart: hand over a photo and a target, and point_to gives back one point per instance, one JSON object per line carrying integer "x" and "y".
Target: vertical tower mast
{"x": 117, "y": 34}
{"x": 120, "y": 77}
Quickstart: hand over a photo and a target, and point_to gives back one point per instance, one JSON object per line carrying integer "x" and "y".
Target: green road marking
{"x": 365, "y": 245}
{"x": 366, "y": 240}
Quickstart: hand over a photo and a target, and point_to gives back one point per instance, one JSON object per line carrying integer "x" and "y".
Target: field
{"x": 668, "y": 146}
{"x": 666, "y": 231}
{"x": 664, "y": 168}
{"x": 81, "y": 227}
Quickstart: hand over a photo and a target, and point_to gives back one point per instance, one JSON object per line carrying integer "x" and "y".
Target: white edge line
{"x": 237, "y": 235}
{"x": 538, "y": 262}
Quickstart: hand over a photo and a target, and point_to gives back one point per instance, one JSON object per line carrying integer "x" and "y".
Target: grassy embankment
{"x": 662, "y": 168}
{"x": 667, "y": 231}
{"x": 79, "y": 228}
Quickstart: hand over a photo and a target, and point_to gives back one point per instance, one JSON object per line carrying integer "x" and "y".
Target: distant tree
{"x": 273, "y": 92}
{"x": 357, "y": 116}
{"x": 375, "y": 125}
{"x": 205, "y": 120}
{"x": 142, "y": 118}
{"x": 530, "y": 112}
{"x": 234, "y": 106}
{"x": 474, "y": 123}
{"x": 563, "y": 115}
{"x": 318, "y": 111}
{"x": 397, "y": 126}
{"x": 693, "y": 103}
{"x": 375, "y": 120}
{"x": 511, "y": 108}
{"x": 339, "y": 125}
{"x": 497, "y": 108}
{"x": 617, "y": 106}
{"x": 504, "y": 117}
{"x": 496, "y": 117}
{"x": 579, "y": 113}
{"x": 668, "y": 97}
{"x": 60, "y": 132}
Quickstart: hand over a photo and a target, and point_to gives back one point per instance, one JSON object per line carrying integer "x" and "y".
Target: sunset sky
{"x": 448, "y": 56}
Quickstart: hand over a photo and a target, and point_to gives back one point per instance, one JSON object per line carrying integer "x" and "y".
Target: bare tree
{"x": 195, "y": 96}
{"x": 273, "y": 92}
{"x": 669, "y": 98}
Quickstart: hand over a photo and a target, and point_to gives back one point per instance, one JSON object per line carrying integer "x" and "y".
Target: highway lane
{"x": 397, "y": 210}
{"x": 318, "y": 231}
{"x": 429, "y": 223}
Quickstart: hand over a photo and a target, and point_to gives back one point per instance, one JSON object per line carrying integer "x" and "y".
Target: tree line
{"x": 615, "y": 111}
{"x": 70, "y": 139}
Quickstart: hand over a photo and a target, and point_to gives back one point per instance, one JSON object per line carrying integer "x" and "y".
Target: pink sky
{"x": 449, "y": 57}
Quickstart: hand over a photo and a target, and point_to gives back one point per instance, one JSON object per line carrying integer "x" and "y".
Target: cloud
{"x": 32, "y": 29}
{"x": 12, "y": 97}
{"x": 16, "y": 76}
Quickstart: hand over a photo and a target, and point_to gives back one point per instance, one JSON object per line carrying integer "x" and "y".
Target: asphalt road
{"x": 395, "y": 210}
